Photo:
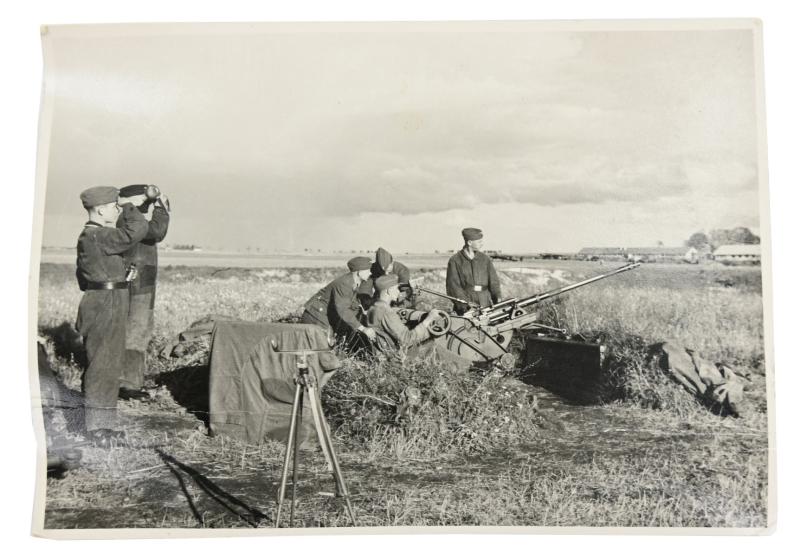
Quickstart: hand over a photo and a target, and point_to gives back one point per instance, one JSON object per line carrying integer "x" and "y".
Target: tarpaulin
{"x": 251, "y": 386}
{"x": 713, "y": 383}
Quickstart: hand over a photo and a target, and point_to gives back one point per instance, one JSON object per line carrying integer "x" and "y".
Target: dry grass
{"x": 477, "y": 449}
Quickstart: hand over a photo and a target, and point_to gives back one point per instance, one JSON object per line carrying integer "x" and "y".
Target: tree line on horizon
{"x": 719, "y": 237}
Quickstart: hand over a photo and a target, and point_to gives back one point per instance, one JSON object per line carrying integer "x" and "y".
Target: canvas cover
{"x": 251, "y": 386}
{"x": 715, "y": 384}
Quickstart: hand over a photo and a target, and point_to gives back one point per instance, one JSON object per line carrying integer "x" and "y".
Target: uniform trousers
{"x": 102, "y": 315}
{"x": 138, "y": 332}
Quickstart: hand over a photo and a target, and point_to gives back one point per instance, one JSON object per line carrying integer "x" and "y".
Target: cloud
{"x": 281, "y": 129}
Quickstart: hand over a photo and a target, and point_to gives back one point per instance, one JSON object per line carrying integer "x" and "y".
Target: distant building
{"x": 600, "y": 253}
{"x": 181, "y": 247}
{"x": 640, "y": 254}
{"x": 732, "y": 254}
{"x": 692, "y": 255}
{"x": 663, "y": 254}
{"x": 500, "y": 256}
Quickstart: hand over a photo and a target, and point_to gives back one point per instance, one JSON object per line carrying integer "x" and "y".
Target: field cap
{"x": 96, "y": 196}
{"x": 357, "y": 264}
{"x": 385, "y": 282}
{"x": 132, "y": 190}
{"x": 383, "y": 258}
{"x": 471, "y": 234}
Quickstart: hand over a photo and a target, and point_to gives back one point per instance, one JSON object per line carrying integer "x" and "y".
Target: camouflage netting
{"x": 670, "y": 375}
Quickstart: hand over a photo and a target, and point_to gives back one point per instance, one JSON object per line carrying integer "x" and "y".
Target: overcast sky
{"x": 351, "y": 140}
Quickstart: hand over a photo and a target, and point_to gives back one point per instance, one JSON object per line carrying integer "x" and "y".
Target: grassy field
{"x": 479, "y": 449}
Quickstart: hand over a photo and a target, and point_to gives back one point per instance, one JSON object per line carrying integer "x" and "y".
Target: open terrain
{"x": 481, "y": 449}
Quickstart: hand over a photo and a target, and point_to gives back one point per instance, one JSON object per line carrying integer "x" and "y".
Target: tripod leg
{"x": 327, "y": 443}
{"x": 289, "y": 440}
{"x": 316, "y": 412}
{"x": 324, "y": 434}
{"x": 337, "y": 470}
{"x": 298, "y": 426}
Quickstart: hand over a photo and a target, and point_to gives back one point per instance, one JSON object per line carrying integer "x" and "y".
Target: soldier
{"x": 103, "y": 309}
{"x": 144, "y": 257}
{"x": 336, "y": 305}
{"x": 471, "y": 275}
{"x": 395, "y": 339}
{"x": 385, "y": 264}
{"x": 392, "y": 335}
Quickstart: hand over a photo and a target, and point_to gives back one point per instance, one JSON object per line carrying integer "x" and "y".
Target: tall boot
{"x": 132, "y": 380}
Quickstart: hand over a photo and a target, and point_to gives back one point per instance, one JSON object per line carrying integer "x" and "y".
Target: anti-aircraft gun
{"x": 484, "y": 334}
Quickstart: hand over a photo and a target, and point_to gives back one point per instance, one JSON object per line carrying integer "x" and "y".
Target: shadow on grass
{"x": 189, "y": 387}
{"x": 67, "y": 343}
{"x": 243, "y": 511}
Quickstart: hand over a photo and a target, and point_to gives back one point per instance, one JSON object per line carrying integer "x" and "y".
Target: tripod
{"x": 306, "y": 383}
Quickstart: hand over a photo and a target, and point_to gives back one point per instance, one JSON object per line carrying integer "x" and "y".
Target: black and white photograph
{"x": 370, "y": 277}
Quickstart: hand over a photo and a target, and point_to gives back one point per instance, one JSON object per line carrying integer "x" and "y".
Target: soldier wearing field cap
{"x": 394, "y": 339}
{"x": 144, "y": 258}
{"x": 471, "y": 275}
{"x": 336, "y": 305}
{"x": 103, "y": 310}
{"x": 392, "y": 334}
{"x": 384, "y": 264}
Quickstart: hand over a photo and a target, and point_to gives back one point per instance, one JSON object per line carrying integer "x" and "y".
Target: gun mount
{"x": 485, "y": 334}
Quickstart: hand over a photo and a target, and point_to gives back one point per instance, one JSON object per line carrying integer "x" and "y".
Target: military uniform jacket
{"x": 401, "y": 270}
{"x": 336, "y": 303}
{"x": 392, "y": 333}
{"x": 472, "y": 280}
{"x": 366, "y": 291}
{"x": 100, "y": 248}
{"x": 145, "y": 253}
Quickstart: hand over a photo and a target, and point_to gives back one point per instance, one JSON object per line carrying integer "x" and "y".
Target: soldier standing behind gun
{"x": 144, "y": 258}
{"x": 336, "y": 305}
{"x": 103, "y": 309}
{"x": 471, "y": 275}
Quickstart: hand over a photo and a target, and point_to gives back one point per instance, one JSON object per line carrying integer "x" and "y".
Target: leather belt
{"x": 107, "y": 285}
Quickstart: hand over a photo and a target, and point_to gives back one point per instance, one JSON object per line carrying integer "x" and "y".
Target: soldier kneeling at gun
{"x": 391, "y": 333}
{"x": 394, "y": 338}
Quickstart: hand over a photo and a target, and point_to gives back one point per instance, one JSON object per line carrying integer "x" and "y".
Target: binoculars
{"x": 152, "y": 192}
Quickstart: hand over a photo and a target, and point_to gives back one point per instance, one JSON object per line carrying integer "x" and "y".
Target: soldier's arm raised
{"x": 130, "y": 230}
{"x": 158, "y": 225}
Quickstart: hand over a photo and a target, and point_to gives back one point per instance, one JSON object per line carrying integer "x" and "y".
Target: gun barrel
{"x": 501, "y": 309}
{"x": 440, "y": 294}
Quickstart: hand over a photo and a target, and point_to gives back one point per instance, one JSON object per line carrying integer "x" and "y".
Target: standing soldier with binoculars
{"x": 103, "y": 310}
{"x": 142, "y": 259}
